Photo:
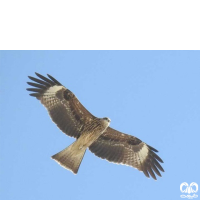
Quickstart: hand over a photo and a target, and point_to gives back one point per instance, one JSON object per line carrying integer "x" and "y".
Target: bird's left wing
{"x": 121, "y": 148}
{"x": 63, "y": 106}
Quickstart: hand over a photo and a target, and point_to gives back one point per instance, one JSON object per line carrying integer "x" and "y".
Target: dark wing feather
{"x": 63, "y": 106}
{"x": 121, "y": 148}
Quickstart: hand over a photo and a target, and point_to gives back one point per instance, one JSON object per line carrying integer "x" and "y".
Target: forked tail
{"x": 70, "y": 158}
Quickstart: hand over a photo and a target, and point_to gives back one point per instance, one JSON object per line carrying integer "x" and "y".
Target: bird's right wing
{"x": 63, "y": 106}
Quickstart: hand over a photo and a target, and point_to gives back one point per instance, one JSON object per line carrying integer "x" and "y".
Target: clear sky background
{"x": 154, "y": 95}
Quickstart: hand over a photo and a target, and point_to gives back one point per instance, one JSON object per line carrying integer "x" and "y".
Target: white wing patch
{"x": 143, "y": 153}
{"x": 49, "y": 99}
{"x": 53, "y": 89}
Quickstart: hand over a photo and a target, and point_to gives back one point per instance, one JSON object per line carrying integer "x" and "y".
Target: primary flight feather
{"x": 90, "y": 132}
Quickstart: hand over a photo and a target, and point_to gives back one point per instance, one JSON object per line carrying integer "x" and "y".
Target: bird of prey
{"x": 91, "y": 132}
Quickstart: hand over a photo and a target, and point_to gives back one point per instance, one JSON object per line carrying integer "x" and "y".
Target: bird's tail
{"x": 71, "y": 157}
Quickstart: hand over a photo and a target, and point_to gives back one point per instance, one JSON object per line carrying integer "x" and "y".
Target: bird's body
{"x": 90, "y": 132}
{"x": 71, "y": 157}
{"x": 93, "y": 130}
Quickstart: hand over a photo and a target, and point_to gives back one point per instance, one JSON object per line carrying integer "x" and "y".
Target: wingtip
{"x": 153, "y": 149}
{"x": 37, "y": 74}
{"x": 37, "y": 95}
{"x": 54, "y": 80}
{"x": 161, "y": 160}
{"x": 49, "y": 76}
{"x": 163, "y": 170}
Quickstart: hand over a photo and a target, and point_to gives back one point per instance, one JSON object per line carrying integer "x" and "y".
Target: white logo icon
{"x": 192, "y": 188}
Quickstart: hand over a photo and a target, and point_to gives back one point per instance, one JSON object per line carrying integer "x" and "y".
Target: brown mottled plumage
{"x": 91, "y": 132}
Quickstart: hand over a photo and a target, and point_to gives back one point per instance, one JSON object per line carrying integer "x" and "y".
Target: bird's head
{"x": 105, "y": 122}
{"x": 107, "y": 119}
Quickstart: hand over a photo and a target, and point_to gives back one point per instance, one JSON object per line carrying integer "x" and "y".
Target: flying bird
{"x": 91, "y": 132}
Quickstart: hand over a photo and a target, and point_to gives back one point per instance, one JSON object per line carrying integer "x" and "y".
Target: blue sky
{"x": 153, "y": 95}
